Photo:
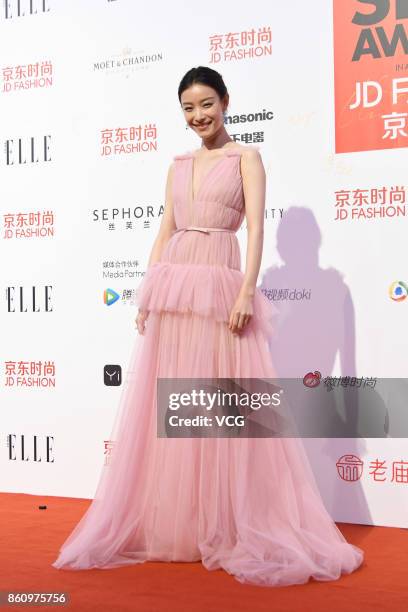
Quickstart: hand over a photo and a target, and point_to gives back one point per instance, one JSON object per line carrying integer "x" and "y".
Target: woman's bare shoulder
{"x": 250, "y": 157}
{"x": 248, "y": 152}
{"x": 185, "y": 155}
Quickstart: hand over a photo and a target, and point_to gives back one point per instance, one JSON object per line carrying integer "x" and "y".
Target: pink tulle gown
{"x": 247, "y": 505}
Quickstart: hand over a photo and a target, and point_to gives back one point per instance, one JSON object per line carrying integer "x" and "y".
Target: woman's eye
{"x": 188, "y": 110}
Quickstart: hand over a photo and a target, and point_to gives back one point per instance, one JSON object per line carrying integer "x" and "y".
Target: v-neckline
{"x": 205, "y": 176}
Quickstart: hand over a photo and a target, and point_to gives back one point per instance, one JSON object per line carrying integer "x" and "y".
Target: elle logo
{"x": 30, "y": 448}
{"x": 21, "y": 299}
{"x": 21, "y": 8}
{"x": 30, "y": 150}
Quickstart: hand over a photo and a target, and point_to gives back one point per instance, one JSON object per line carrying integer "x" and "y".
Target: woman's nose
{"x": 198, "y": 114}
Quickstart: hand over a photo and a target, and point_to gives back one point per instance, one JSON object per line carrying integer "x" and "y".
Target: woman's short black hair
{"x": 205, "y": 76}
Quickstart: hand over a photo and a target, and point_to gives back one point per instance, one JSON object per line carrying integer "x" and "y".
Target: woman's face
{"x": 203, "y": 110}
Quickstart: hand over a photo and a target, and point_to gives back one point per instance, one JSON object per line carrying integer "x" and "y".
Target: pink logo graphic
{"x": 312, "y": 379}
{"x": 350, "y": 468}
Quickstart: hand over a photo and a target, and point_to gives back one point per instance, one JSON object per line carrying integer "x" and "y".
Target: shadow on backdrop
{"x": 314, "y": 325}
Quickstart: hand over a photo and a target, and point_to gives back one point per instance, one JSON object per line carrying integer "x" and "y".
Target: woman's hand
{"x": 241, "y": 313}
{"x": 141, "y": 321}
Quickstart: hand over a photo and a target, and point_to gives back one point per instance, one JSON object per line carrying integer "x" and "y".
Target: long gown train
{"x": 248, "y": 505}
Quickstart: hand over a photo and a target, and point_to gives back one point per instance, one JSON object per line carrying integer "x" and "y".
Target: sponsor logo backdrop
{"x": 90, "y": 123}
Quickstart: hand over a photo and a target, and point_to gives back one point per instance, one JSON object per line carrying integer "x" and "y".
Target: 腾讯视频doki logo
{"x": 370, "y": 74}
{"x": 110, "y": 297}
{"x": 398, "y": 291}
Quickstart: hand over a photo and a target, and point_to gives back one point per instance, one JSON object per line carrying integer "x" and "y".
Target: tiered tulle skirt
{"x": 247, "y": 505}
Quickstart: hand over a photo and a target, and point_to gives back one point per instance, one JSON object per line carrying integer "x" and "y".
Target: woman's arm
{"x": 168, "y": 224}
{"x": 254, "y": 186}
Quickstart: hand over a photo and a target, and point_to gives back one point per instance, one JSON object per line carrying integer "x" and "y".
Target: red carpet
{"x": 30, "y": 539}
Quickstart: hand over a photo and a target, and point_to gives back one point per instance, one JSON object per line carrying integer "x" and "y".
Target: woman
{"x": 247, "y": 505}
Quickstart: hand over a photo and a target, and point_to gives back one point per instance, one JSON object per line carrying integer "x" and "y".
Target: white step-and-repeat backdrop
{"x": 90, "y": 121}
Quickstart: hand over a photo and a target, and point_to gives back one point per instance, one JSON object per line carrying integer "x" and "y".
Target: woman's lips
{"x": 202, "y": 127}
